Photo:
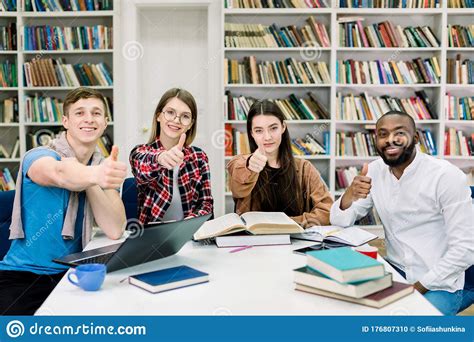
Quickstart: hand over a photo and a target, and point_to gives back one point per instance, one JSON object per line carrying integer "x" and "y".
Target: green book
{"x": 345, "y": 265}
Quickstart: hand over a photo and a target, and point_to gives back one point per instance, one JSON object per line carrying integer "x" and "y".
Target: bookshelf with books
{"x": 404, "y": 67}
{"x": 59, "y": 45}
{"x": 287, "y": 53}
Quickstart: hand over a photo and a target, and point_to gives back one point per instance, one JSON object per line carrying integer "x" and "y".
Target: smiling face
{"x": 267, "y": 131}
{"x": 396, "y": 139}
{"x": 85, "y": 120}
{"x": 173, "y": 129}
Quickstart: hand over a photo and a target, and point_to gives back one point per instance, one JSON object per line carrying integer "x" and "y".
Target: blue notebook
{"x": 169, "y": 279}
{"x": 345, "y": 265}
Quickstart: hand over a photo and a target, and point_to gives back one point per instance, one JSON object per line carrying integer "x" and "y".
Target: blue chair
{"x": 6, "y": 203}
{"x": 130, "y": 198}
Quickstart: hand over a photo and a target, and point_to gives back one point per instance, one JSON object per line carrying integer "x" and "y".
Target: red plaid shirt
{"x": 155, "y": 182}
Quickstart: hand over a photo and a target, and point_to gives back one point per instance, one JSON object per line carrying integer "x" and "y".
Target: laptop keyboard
{"x": 98, "y": 259}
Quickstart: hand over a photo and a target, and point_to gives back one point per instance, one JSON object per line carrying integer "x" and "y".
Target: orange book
{"x": 385, "y": 35}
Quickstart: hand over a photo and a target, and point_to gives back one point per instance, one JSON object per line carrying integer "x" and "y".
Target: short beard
{"x": 406, "y": 155}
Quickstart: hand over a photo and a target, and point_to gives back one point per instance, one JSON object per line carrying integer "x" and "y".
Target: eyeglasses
{"x": 185, "y": 118}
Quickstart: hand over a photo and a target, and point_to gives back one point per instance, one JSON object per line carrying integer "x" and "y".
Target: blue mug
{"x": 89, "y": 277}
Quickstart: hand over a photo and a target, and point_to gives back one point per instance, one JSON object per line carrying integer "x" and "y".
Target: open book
{"x": 351, "y": 236}
{"x": 254, "y": 222}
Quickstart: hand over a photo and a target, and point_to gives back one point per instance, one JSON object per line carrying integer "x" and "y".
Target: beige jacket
{"x": 318, "y": 201}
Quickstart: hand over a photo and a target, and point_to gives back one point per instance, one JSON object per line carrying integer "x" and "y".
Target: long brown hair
{"x": 263, "y": 193}
{"x": 188, "y": 99}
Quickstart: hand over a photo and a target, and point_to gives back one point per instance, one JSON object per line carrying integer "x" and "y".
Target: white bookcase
{"x": 437, "y": 19}
{"x": 10, "y": 131}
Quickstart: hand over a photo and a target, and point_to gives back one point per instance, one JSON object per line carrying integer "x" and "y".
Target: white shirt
{"x": 175, "y": 210}
{"x": 427, "y": 216}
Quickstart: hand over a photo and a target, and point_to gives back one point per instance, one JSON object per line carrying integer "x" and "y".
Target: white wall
{"x": 165, "y": 44}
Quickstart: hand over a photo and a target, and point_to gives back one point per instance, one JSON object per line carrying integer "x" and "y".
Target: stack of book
{"x": 365, "y": 107}
{"x": 8, "y": 74}
{"x": 288, "y": 71}
{"x": 67, "y": 5}
{"x": 6, "y": 180}
{"x": 459, "y": 108}
{"x": 7, "y": 5}
{"x": 344, "y": 274}
{"x": 67, "y": 38}
{"x": 54, "y": 73}
{"x": 388, "y": 72}
{"x": 460, "y": 36}
{"x": 275, "y": 4}
{"x": 456, "y": 143}
{"x": 9, "y": 110}
{"x": 310, "y": 146}
{"x": 262, "y": 36}
{"x": 8, "y": 37}
{"x": 460, "y": 72}
{"x": 293, "y": 108}
{"x": 384, "y": 35}
{"x": 389, "y": 4}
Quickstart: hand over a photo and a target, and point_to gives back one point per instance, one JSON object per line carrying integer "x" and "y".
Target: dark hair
{"x": 188, "y": 99}
{"x": 82, "y": 93}
{"x": 265, "y": 194}
{"x": 396, "y": 112}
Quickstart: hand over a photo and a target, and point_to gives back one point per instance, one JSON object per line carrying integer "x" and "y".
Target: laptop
{"x": 157, "y": 240}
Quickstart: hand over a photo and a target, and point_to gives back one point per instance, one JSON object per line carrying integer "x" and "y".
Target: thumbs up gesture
{"x": 361, "y": 185}
{"x": 258, "y": 160}
{"x": 174, "y": 156}
{"x": 111, "y": 173}
{"x": 359, "y": 188}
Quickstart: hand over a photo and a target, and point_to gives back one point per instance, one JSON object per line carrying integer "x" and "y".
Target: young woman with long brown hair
{"x": 271, "y": 179}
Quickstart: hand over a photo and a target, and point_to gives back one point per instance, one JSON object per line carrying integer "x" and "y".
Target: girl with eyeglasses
{"x": 172, "y": 177}
{"x": 271, "y": 179}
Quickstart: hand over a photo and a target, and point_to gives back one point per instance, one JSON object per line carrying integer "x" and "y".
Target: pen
{"x": 240, "y": 249}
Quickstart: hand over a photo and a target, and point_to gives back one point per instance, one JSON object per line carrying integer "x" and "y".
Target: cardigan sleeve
{"x": 319, "y": 198}
{"x": 241, "y": 179}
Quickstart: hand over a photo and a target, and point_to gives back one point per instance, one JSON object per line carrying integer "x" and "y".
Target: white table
{"x": 255, "y": 281}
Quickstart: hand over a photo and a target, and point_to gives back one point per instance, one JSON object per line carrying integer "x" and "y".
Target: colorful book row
{"x": 384, "y": 35}
{"x": 288, "y": 71}
{"x": 68, "y": 38}
{"x": 275, "y": 4}
{"x": 67, "y": 5}
{"x": 263, "y": 36}
{"x": 365, "y": 107}
{"x": 388, "y": 72}
{"x": 55, "y": 73}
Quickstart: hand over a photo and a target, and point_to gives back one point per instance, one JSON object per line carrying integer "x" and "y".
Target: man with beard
{"x": 425, "y": 207}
